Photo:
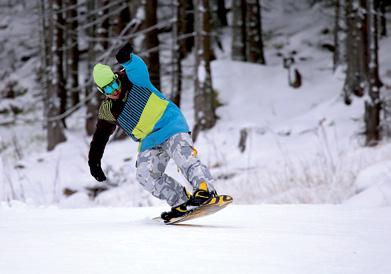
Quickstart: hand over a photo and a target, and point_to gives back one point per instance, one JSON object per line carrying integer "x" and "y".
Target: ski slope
{"x": 240, "y": 239}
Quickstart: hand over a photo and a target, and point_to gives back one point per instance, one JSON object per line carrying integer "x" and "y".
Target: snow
{"x": 304, "y": 146}
{"x": 373, "y": 186}
{"x": 201, "y": 71}
{"x": 240, "y": 239}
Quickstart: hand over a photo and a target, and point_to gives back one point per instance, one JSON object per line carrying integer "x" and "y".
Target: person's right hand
{"x": 97, "y": 172}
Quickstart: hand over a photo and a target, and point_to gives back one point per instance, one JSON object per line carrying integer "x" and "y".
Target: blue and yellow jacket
{"x": 142, "y": 111}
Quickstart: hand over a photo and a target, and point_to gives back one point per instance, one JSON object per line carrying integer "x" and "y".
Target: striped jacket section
{"x": 141, "y": 112}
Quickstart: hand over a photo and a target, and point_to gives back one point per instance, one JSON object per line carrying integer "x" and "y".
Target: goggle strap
{"x": 100, "y": 90}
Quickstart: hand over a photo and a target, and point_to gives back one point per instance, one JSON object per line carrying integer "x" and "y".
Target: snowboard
{"x": 210, "y": 207}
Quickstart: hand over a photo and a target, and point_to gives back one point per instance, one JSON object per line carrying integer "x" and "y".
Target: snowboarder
{"x": 135, "y": 105}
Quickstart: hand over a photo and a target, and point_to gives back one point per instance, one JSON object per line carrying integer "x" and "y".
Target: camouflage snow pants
{"x": 152, "y": 163}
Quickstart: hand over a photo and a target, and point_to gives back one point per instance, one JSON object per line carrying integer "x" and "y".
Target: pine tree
{"x": 340, "y": 34}
{"x": 204, "y": 96}
{"x": 382, "y": 4}
{"x": 151, "y": 42}
{"x": 254, "y": 41}
{"x": 93, "y": 103}
{"x": 73, "y": 60}
{"x": 247, "y": 41}
{"x": 222, "y": 12}
{"x": 59, "y": 79}
{"x": 373, "y": 106}
{"x": 123, "y": 19}
{"x": 178, "y": 8}
{"x": 362, "y": 75}
{"x": 187, "y": 28}
{"x": 239, "y": 30}
{"x": 56, "y": 87}
{"x": 355, "y": 74}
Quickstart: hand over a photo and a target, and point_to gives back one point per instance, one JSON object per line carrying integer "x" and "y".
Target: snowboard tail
{"x": 210, "y": 207}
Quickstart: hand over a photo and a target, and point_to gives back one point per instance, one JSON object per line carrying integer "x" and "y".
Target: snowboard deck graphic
{"x": 212, "y": 206}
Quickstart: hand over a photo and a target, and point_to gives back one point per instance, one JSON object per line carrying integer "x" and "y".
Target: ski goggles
{"x": 111, "y": 87}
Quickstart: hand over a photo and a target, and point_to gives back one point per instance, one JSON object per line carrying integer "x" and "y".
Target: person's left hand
{"x": 124, "y": 53}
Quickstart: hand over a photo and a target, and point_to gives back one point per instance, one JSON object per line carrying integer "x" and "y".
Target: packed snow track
{"x": 240, "y": 239}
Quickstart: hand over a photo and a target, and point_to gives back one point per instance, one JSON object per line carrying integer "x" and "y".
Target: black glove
{"x": 124, "y": 53}
{"x": 96, "y": 171}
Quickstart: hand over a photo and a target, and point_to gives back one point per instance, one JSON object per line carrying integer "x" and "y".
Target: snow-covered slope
{"x": 303, "y": 146}
{"x": 240, "y": 239}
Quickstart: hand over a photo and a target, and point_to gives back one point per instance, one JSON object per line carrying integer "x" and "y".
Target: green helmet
{"x": 103, "y": 75}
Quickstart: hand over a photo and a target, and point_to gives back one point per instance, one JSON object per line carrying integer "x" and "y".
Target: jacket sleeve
{"x": 137, "y": 71}
{"x": 135, "y": 68}
{"x": 99, "y": 140}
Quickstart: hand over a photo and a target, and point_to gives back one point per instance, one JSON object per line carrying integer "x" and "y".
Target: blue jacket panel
{"x": 137, "y": 72}
{"x": 172, "y": 121}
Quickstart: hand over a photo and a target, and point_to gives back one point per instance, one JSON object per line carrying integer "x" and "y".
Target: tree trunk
{"x": 382, "y": 18}
{"x": 362, "y": 25}
{"x": 362, "y": 59}
{"x": 351, "y": 54}
{"x": 356, "y": 50}
{"x": 103, "y": 30}
{"x": 93, "y": 104}
{"x": 56, "y": 93}
{"x": 373, "y": 106}
{"x": 204, "y": 96}
{"x": 239, "y": 30}
{"x": 151, "y": 42}
{"x": 59, "y": 57}
{"x": 176, "y": 85}
{"x": 96, "y": 50}
{"x": 340, "y": 34}
{"x": 45, "y": 52}
{"x": 123, "y": 19}
{"x": 222, "y": 13}
{"x": 254, "y": 47}
{"x": 74, "y": 51}
{"x": 185, "y": 27}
